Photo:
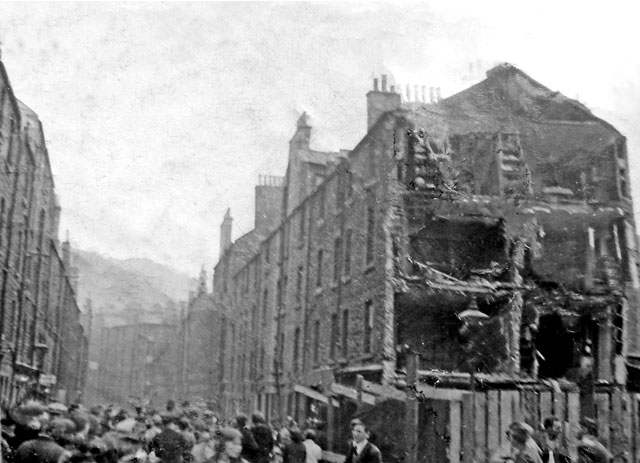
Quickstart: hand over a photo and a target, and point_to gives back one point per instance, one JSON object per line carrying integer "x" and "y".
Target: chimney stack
{"x": 375, "y": 84}
{"x": 379, "y": 103}
{"x": 432, "y": 95}
{"x": 416, "y": 95}
{"x": 424, "y": 94}
{"x": 225, "y": 232}
{"x": 438, "y": 97}
{"x": 393, "y": 89}
{"x": 408, "y": 88}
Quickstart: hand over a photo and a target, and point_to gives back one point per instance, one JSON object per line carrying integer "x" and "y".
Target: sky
{"x": 160, "y": 116}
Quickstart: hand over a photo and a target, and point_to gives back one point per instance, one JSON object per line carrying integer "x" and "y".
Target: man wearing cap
{"x": 521, "y": 436}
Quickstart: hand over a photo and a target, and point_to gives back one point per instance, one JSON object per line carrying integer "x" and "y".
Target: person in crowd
{"x": 170, "y": 446}
{"x": 590, "y": 449}
{"x": 249, "y": 445}
{"x": 263, "y": 437}
{"x": 314, "y": 452}
{"x": 295, "y": 451}
{"x": 229, "y": 446}
{"x": 551, "y": 443}
{"x": 520, "y": 435}
{"x": 204, "y": 450}
{"x": 362, "y": 451}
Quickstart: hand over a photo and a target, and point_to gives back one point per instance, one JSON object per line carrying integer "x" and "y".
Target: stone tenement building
{"x": 506, "y": 198}
{"x": 43, "y": 347}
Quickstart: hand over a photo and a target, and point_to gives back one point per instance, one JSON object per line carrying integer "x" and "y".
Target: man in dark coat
{"x": 263, "y": 437}
{"x": 249, "y": 445}
{"x": 362, "y": 451}
{"x": 170, "y": 445}
{"x": 551, "y": 442}
{"x": 295, "y": 451}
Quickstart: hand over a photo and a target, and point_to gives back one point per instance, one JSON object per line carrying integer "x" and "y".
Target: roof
{"x": 508, "y": 100}
{"x": 319, "y": 157}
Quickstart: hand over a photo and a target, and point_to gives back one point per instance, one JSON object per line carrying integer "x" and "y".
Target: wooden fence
{"x": 469, "y": 428}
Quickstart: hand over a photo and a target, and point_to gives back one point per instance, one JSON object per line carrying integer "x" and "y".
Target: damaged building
{"x": 506, "y": 203}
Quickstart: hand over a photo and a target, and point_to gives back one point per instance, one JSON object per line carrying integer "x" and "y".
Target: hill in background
{"x": 121, "y": 286}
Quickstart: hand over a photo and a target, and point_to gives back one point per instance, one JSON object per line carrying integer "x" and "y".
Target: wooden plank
{"x": 430, "y": 392}
{"x": 455, "y": 432}
{"x": 616, "y": 436}
{"x": 603, "y": 418}
{"x": 386, "y": 392}
{"x": 635, "y": 410}
{"x": 560, "y": 405}
{"x": 468, "y": 428}
{"x": 353, "y": 394}
{"x": 530, "y": 407}
{"x": 627, "y": 427}
{"x": 480, "y": 418}
{"x": 518, "y": 414}
{"x": 573, "y": 422}
{"x": 412, "y": 429}
{"x": 620, "y": 423}
{"x": 546, "y": 409}
{"x": 506, "y": 416}
{"x": 493, "y": 420}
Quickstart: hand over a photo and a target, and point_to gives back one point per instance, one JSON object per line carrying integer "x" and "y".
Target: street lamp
{"x": 471, "y": 317}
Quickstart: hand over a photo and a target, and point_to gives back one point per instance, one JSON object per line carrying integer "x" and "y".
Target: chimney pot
{"x": 393, "y": 89}
{"x": 408, "y": 87}
{"x": 375, "y": 85}
{"x": 432, "y": 94}
{"x": 384, "y": 82}
{"x": 424, "y": 94}
{"x": 415, "y": 93}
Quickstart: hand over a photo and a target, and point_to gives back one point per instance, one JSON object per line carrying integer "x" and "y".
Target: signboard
{"x": 48, "y": 380}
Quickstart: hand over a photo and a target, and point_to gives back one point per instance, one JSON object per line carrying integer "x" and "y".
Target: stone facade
{"x": 506, "y": 201}
{"x": 40, "y": 319}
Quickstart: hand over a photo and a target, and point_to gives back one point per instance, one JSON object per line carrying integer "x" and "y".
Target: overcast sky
{"x": 160, "y": 116}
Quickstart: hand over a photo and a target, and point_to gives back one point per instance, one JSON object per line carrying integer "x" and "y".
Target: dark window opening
{"x": 368, "y": 326}
{"x": 334, "y": 335}
{"x": 345, "y": 334}
{"x": 316, "y": 341}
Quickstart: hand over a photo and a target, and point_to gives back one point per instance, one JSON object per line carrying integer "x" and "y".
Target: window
{"x": 371, "y": 225}
{"x": 340, "y": 190}
{"x": 349, "y": 184}
{"x": 267, "y": 252}
{"x": 265, "y": 299}
{"x": 347, "y": 253}
{"x": 368, "y": 326}
{"x": 299, "y": 285}
{"x": 321, "y": 198}
{"x": 337, "y": 258}
{"x": 334, "y": 335}
{"x": 316, "y": 341}
{"x": 301, "y": 230}
{"x": 319, "y": 269}
{"x": 345, "y": 333}
{"x": 296, "y": 350}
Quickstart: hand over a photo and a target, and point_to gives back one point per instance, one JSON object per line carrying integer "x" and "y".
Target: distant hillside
{"x": 114, "y": 285}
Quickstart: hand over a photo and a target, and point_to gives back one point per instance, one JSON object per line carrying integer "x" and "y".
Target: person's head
{"x": 552, "y": 427}
{"x": 257, "y": 418}
{"x": 228, "y": 443}
{"x": 519, "y": 433}
{"x": 296, "y": 436}
{"x": 310, "y": 434}
{"x": 588, "y": 426}
{"x": 359, "y": 431}
{"x": 241, "y": 420}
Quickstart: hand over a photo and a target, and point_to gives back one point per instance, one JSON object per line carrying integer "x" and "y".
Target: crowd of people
{"x": 52, "y": 433}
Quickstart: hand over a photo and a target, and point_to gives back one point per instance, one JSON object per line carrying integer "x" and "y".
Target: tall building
{"x": 43, "y": 344}
{"x": 505, "y": 201}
